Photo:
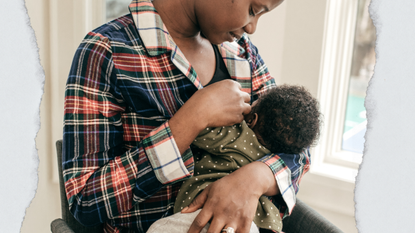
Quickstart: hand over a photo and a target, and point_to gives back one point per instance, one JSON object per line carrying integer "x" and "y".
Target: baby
{"x": 284, "y": 120}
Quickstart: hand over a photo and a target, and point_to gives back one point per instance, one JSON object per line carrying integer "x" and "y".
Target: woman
{"x": 140, "y": 90}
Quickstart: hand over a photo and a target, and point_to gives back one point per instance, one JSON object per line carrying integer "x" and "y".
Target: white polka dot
{"x": 221, "y": 164}
{"x": 204, "y": 139}
{"x": 182, "y": 207}
{"x": 195, "y": 140}
{"x": 258, "y": 214}
{"x": 263, "y": 203}
{"x": 187, "y": 193}
{"x": 201, "y": 166}
{"x": 209, "y": 161}
{"x": 229, "y": 131}
{"x": 251, "y": 143}
{"x": 214, "y": 165}
{"x": 258, "y": 154}
{"x": 213, "y": 139}
{"x": 259, "y": 146}
{"x": 220, "y": 133}
{"x": 209, "y": 171}
{"x": 207, "y": 129}
{"x": 195, "y": 178}
{"x": 207, "y": 146}
{"x": 189, "y": 197}
{"x": 271, "y": 208}
{"x": 211, "y": 131}
{"x": 244, "y": 148}
{"x": 262, "y": 220}
{"x": 269, "y": 226}
{"x": 221, "y": 145}
{"x": 235, "y": 146}
{"x": 267, "y": 214}
{"x": 242, "y": 160}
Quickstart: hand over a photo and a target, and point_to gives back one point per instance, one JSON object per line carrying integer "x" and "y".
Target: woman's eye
{"x": 251, "y": 12}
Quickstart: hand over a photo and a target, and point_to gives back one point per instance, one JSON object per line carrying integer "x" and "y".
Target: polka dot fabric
{"x": 224, "y": 150}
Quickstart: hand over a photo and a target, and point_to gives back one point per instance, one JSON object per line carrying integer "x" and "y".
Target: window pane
{"x": 116, "y": 8}
{"x": 361, "y": 71}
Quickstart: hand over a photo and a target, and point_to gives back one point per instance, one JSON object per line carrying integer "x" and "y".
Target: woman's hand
{"x": 232, "y": 200}
{"x": 220, "y": 104}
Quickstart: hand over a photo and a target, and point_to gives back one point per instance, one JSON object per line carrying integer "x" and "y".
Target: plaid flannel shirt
{"x": 121, "y": 165}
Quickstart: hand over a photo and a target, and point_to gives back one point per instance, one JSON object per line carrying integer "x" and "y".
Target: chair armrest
{"x": 305, "y": 219}
{"x": 60, "y": 226}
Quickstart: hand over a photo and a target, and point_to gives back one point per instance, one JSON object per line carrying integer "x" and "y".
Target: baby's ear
{"x": 251, "y": 119}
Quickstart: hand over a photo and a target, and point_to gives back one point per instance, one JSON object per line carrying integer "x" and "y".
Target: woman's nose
{"x": 251, "y": 26}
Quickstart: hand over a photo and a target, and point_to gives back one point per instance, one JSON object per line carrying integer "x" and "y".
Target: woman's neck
{"x": 179, "y": 18}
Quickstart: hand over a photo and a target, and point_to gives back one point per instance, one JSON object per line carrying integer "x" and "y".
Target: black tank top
{"x": 221, "y": 73}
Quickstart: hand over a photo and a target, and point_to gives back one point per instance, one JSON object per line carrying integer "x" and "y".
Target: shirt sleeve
{"x": 102, "y": 176}
{"x": 288, "y": 169}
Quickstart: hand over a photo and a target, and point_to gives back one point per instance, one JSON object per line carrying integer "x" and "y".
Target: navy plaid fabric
{"x": 121, "y": 164}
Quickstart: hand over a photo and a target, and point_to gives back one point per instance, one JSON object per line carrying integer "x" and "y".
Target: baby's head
{"x": 286, "y": 119}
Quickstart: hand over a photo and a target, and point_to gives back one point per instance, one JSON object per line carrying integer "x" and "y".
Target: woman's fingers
{"x": 200, "y": 221}
{"x": 217, "y": 225}
{"x": 198, "y": 202}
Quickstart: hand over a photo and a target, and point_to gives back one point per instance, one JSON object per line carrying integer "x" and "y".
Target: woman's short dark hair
{"x": 289, "y": 119}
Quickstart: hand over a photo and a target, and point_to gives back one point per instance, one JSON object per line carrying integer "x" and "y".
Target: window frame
{"x": 337, "y": 51}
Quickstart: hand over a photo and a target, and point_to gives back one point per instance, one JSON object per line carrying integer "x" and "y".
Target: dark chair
{"x": 68, "y": 224}
{"x": 303, "y": 219}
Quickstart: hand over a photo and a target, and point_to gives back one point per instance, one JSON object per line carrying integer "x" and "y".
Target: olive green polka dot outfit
{"x": 226, "y": 149}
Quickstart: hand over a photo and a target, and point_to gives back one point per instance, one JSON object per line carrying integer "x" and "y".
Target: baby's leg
{"x": 180, "y": 223}
{"x": 177, "y": 223}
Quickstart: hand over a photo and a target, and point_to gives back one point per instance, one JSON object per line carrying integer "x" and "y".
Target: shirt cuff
{"x": 165, "y": 157}
{"x": 282, "y": 175}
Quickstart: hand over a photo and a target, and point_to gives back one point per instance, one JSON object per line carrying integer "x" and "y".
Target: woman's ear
{"x": 251, "y": 120}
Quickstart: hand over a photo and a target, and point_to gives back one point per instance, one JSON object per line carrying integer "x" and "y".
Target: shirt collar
{"x": 157, "y": 40}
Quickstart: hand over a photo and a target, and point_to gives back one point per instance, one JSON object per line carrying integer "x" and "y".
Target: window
{"x": 363, "y": 62}
{"x": 346, "y": 67}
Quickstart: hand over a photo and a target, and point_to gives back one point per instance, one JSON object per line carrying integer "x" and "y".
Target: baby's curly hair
{"x": 289, "y": 119}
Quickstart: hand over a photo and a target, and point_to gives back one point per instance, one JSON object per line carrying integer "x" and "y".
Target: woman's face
{"x": 225, "y": 20}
